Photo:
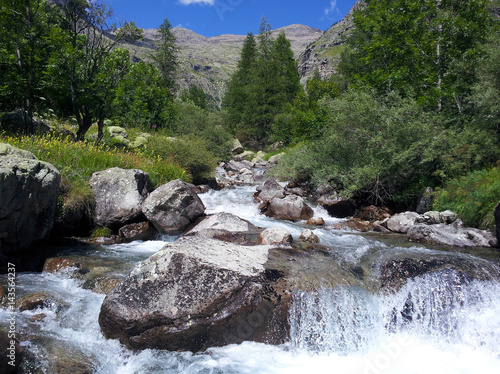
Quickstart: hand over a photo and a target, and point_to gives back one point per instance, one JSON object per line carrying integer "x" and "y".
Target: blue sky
{"x": 216, "y": 17}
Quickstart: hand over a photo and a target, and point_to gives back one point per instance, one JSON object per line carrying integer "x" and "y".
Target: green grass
{"x": 473, "y": 196}
{"x": 335, "y": 51}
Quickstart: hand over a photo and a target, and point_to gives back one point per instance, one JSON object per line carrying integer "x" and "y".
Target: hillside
{"x": 210, "y": 62}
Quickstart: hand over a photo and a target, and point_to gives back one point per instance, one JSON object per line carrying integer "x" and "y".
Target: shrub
{"x": 190, "y": 152}
{"x": 473, "y": 197}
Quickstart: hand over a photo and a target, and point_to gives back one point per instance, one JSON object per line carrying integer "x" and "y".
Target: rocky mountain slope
{"x": 210, "y": 62}
{"x": 324, "y": 53}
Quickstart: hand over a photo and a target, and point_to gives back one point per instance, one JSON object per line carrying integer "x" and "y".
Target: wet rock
{"x": 137, "y": 231}
{"x": 12, "y": 353}
{"x": 296, "y": 191}
{"x": 202, "y": 188}
{"x": 275, "y": 235}
{"x": 3, "y": 295}
{"x": 36, "y": 300}
{"x": 118, "y": 195}
{"x": 395, "y": 272}
{"x": 236, "y": 147}
{"x": 381, "y": 226}
{"x": 292, "y": 208}
{"x": 425, "y": 200}
{"x": 269, "y": 190}
{"x": 69, "y": 360}
{"x": 28, "y": 196}
{"x": 56, "y": 264}
{"x": 449, "y": 235}
{"x": 195, "y": 293}
{"x": 308, "y": 236}
{"x": 105, "y": 285}
{"x": 335, "y": 205}
{"x": 401, "y": 222}
{"x": 237, "y": 166}
{"x": 316, "y": 221}
{"x": 373, "y": 213}
{"x": 354, "y": 225}
{"x": 225, "y": 226}
{"x": 173, "y": 207}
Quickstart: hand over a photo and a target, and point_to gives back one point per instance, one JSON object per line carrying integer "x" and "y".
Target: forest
{"x": 414, "y": 102}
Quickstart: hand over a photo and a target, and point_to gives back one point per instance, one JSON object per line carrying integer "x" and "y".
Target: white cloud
{"x": 332, "y": 9}
{"x": 189, "y": 2}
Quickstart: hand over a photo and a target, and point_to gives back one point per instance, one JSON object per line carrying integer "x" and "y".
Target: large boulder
{"x": 292, "y": 208}
{"x": 29, "y": 189}
{"x": 236, "y": 148}
{"x": 227, "y": 227}
{"x": 425, "y": 200}
{"x": 14, "y": 122}
{"x": 194, "y": 294}
{"x": 449, "y": 235}
{"x": 269, "y": 190}
{"x": 119, "y": 194}
{"x": 275, "y": 235}
{"x": 335, "y": 205}
{"x": 173, "y": 207}
{"x": 401, "y": 222}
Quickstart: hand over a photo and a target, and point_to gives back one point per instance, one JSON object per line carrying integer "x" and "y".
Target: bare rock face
{"x": 173, "y": 207}
{"x": 195, "y": 293}
{"x": 119, "y": 194}
{"x": 28, "y": 196}
{"x": 292, "y": 208}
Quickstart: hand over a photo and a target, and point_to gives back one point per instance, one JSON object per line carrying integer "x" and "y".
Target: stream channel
{"x": 454, "y": 327}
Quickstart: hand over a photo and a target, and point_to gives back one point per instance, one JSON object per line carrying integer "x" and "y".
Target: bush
{"x": 190, "y": 152}
{"x": 473, "y": 197}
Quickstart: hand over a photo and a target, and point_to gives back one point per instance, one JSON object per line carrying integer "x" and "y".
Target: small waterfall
{"x": 444, "y": 309}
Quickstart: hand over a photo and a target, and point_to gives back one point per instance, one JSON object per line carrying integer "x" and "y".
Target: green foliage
{"x": 196, "y": 95}
{"x": 165, "y": 55}
{"x": 142, "y": 100}
{"x": 77, "y": 161}
{"x": 101, "y": 232}
{"x": 473, "y": 196}
{"x": 418, "y": 48}
{"x": 266, "y": 81}
{"x": 385, "y": 150}
{"x": 191, "y": 153}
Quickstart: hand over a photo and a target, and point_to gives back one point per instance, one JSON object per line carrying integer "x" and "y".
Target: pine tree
{"x": 165, "y": 55}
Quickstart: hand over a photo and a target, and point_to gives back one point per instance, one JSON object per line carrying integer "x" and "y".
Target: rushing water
{"x": 433, "y": 324}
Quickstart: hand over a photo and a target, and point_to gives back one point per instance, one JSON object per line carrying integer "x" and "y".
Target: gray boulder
{"x": 237, "y": 166}
{"x": 308, "y": 236}
{"x": 194, "y": 294}
{"x": 401, "y": 222}
{"x": 236, "y": 147}
{"x": 275, "y": 235}
{"x": 335, "y": 205}
{"x": 173, "y": 207}
{"x": 292, "y": 208}
{"x": 119, "y": 194}
{"x": 29, "y": 189}
{"x": 227, "y": 227}
{"x": 425, "y": 200}
{"x": 449, "y": 235}
{"x": 13, "y": 122}
{"x": 269, "y": 190}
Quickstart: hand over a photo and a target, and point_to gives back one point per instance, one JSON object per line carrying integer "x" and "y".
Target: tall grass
{"x": 473, "y": 196}
{"x": 79, "y": 160}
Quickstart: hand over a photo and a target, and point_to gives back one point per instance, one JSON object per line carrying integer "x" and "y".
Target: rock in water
{"x": 275, "y": 235}
{"x": 119, "y": 194}
{"x": 173, "y": 207}
{"x": 194, "y": 294}
{"x": 292, "y": 208}
{"x": 28, "y": 196}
